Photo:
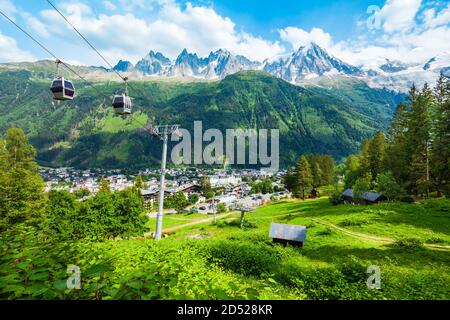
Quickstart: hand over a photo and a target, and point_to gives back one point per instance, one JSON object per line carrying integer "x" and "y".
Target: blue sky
{"x": 410, "y": 30}
{"x": 265, "y": 17}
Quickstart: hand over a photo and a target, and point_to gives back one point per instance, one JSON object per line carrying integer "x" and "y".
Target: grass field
{"x": 222, "y": 261}
{"x": 410, "y": 269}
{"x": 175, "y": 220}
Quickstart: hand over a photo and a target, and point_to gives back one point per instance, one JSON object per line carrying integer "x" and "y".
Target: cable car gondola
{"x": 122, "y": 103}
{"x": 61, "y": 88}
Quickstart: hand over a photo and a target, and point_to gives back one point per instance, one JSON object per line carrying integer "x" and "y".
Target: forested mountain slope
{"x": 328, "y": 118}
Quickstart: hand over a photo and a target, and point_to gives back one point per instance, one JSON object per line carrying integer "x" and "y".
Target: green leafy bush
{"x": 325, "y": 232}
{"x": 221, "y": 208}
{"x": 354, "y": 222}
{"x": 353, "y": 270}
{"x": 32, "y": 267}
{"x": 336, "y": 198}
{"x": 409, "y": 243}
{"x": 244, "y": 258}
{"x": 106, "y": 215}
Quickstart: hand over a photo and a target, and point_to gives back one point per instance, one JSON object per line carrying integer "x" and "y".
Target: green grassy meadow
{"x": 222, "y": 261}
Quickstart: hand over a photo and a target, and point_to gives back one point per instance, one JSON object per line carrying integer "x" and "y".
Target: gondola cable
{"x": 60, "y": 61}
{"x": 97, "y": 52}
{"x": 48, "y": 51}
{"x": 86, "y": 40}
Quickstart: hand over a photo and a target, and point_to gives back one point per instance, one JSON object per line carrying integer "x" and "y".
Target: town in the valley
{"x": 203, "y": 189}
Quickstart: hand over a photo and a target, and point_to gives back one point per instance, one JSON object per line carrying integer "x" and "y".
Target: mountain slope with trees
{"x": 85, "y": 133}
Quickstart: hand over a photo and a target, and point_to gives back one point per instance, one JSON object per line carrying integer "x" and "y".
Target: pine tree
{"x": 322, "y": 167}
{"x": 104, "y": 186}
{"x": 387, "y": 186}
{"x": 361, "y": 186}
{"x": 328, "y": 167}
{"x": 316, "y": 173}
{"x": 22, "y": 197}
{"x": 139, "y": 183}
{"x": 376, "y": 154}
{"x": 304, "y": 176}
{"x": 419, "y": 139}
{"x": 364, "y": 158}
{"x": 440, "y": 148}
{"x": 397, "y": 158}
{"x": 205, "y": 185}
{"x": 352, "y": 171}
{"x": 290, "y": 179}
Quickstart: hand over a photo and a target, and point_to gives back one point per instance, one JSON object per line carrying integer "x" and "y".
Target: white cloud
{"x": 402, "y": 36}
{"x": 298, "y": 37}
{"x": 130, "y": 5}
{"x": 36, "y": 25}
{"x": 399, "y": 15}
{"x": 10, "y": 52}
{"x": 432, "y": 19}
{"x": 109, "y": 5}
{"x": 410, "y": 31}
{"x": 124, "y": 36}
{"x": 149, "y": 5}
{"x": 8, "y": 8}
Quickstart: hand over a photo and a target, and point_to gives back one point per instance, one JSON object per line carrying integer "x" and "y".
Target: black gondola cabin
{"x": 122, "y": 104}
{"x": 62, "y": 89}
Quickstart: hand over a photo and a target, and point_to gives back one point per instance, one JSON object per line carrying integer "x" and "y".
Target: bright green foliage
{"x": 129, "y": 210}
{"x": 316, "y": 173}
{"x": 31, "y": 268}
{"x": 104, "y": 186}
{"x": 221, "y": 207}
{"x": 440, "y": 150}
{"x": 372, "y": 156}
{"x": 419, "y": 139}
{"x": 361, "y": 186}
{"x": 22, "y": 196}
{"x": 62, "y": 218}
{"x": 234, "y": 263}
{"x": 81, "y": 193}
{"x": 193, "y": 198}
{"x": 336, "y": 198}
{"x": 104, "y": 216}
{"x": 322, "y": 169}
{"x": 397, "y": 157}
{"x": 139, "y": 183}
{"x": 304, "y": 177}
{"x": 264, "y": 187}
{"x": 209, "y": 194}
{"x": 177, "y": 201}
{"x": 352, "y": 171}
{"x": 387, "y": 186}
{"x": 205, "y": 185}
{"x": 290, "y": 179}
{"x": 311, "y": 120}
{"x": 377, "y": 146}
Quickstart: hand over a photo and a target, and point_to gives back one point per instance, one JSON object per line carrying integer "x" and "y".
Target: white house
{"x": 223, "y": 180}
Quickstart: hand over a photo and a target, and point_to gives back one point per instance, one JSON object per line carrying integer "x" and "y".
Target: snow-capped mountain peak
{"x": 217, "y": 65}
{"x": 393, "y": 66}
{"x": 308, "y": 62}
{"x": 153, "y": 64}
{"x": 123, "y": 66}
{"x": 441, "y": 61}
